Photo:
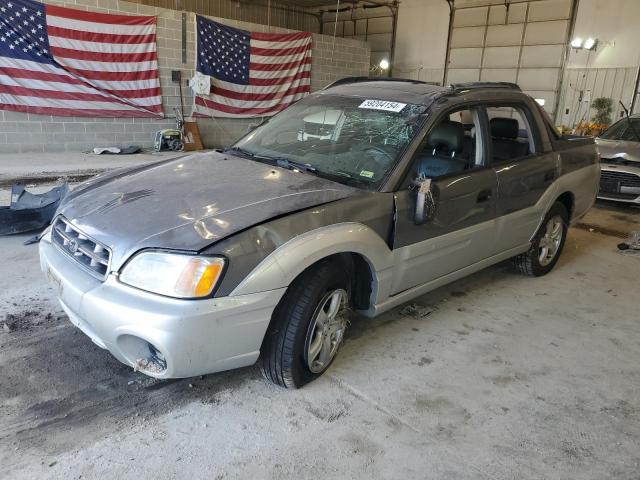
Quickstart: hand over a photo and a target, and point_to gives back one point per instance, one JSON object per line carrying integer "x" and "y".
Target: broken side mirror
{"x": 425, "y": 200}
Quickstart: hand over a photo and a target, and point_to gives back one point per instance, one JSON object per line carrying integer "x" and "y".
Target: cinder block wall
{"x": 21, "y": 132}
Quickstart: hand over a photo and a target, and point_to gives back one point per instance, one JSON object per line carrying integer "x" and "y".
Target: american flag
{"x": 67, "y": 62}
{"x": 253, "y": 74}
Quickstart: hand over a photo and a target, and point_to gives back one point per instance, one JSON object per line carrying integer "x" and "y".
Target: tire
{"x": 533, "y": 262}
{"x": 297, "y": 322}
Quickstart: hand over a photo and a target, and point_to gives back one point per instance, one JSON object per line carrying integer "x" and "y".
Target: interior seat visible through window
{"x": 504, "y": 133}
{"x": 444, "y": 151}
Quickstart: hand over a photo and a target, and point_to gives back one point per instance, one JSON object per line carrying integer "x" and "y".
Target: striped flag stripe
{"x": 113, "y": 76}
{"x": 60, "y": 32}
{"x": 277, "y": 74}
{"x": 43, "y": 71}
{"x": 278, "y": 45}
{"x": 256, "y": 81}
{"x": 76, "y": 87}
{"x": 260, "y": 96}
{"x": 67, "y": 95}
{"x": 96, "y": 17}
{"x": 250, "y": 104}
{"x": 273, "y": 67}
{"x": 258, "y": 89}
{"x": 215, "y": 109}
{"x": 79, "y": 105}
{"x": 11, "y": 74}
{"x": 271, "y": 52}
{"x": 87, "y": 26}
{"x": 279, "y": 59}
{"x": 106, "y": 67}
{"x": 101, "y": 47}
{"x": 281, "y": 37}
{"x": 103, "y": 57}
{"x": 70, "y": 112}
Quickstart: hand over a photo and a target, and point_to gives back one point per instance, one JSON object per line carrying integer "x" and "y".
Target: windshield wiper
{"x": 278, "y": 162}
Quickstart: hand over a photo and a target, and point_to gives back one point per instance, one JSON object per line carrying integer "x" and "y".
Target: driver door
{"x": 459, "y": 226}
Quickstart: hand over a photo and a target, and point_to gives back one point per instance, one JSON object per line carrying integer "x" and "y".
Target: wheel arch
{"x": 568, "y": 200}
{"x": 356, "y": 246}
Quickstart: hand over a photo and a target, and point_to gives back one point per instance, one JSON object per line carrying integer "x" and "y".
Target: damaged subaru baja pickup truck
{"x": 361, "y": 196}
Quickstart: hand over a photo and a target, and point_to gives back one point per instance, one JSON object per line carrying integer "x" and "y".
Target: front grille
{"x": 619, "y": 185}
{"x": 89, "y": 254}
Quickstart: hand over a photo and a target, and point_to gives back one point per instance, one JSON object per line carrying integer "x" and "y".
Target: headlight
{"x": 173, "y": 274}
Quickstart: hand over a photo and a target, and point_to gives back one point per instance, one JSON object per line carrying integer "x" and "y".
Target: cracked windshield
{"x": 351, "y": 140}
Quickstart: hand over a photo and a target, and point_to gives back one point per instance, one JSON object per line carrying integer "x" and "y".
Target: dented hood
{"x": 191, "y": 202}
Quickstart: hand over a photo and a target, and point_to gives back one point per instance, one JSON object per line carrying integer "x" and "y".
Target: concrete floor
{"x": 507, "y": 377}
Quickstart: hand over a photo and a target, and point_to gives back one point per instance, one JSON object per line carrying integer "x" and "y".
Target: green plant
{"x": 603, "y": 107}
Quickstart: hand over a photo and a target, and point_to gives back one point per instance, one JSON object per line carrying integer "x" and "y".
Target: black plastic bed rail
{"x": 348, "y": 80}
{"x": 458, "y": 87}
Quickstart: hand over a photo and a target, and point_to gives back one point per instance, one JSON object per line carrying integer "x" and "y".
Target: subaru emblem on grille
{"x": 73, "y": 245}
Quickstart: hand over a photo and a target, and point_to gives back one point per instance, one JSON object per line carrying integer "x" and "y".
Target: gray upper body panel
{"x": 248, "y": 248}
{"x": 192, "y": 202}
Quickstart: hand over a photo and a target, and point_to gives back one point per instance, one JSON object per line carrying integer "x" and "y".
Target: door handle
{"x": 484, "y": 195}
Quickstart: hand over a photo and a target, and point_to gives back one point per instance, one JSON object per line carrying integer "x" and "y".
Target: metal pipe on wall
{"x": 452, "y": 12}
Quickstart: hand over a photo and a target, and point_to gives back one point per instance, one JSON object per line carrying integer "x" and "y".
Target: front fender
{"x": 289, "y": 260}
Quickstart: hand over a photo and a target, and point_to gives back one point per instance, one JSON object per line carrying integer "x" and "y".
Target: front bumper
{"x": 192, "y": 337}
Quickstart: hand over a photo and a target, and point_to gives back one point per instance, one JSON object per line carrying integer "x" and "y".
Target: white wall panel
{"x": 499, "y": 75}
{"x": 524, "y": 43}
{"x": 467, "y": 37}
{"x": 497, "y": 15}
{"x": 470, "y": 17}
{"x": 538, "y": 78}
{"x": 517, "y": 13}
{"x": 549, "y": 10}
{"x": 465, "y": 57}
{"x": 546, "y": 33}
{"x": 540, "y": 56}
{"x": 461, "y": 75}
{"x": 501, "y": 57}
{"x": 504, "y": 35}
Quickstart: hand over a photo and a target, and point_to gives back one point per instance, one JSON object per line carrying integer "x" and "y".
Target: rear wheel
{"x": 307, "y": 327}
{"x": 547, "y": 243}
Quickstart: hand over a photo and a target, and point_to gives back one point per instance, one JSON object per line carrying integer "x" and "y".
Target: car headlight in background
{"x": 173, "y": 274}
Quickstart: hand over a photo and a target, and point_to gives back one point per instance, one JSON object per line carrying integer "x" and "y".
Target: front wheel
{"x": 307, "y": 327}
{"x": 547, "y": 243}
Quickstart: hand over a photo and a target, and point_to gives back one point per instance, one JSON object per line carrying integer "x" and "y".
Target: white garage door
{"x": 520, "y": 42}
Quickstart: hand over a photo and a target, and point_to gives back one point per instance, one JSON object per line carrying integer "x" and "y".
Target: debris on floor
{"x": 28, "y": 211}
{"x": 632, "y": 245}
{"x": 417, "y": 311}
{"x": 131, "y": 149}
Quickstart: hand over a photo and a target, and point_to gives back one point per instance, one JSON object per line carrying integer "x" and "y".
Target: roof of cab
{"x": 399, "y": 90}
{"x": 405, "y": 90}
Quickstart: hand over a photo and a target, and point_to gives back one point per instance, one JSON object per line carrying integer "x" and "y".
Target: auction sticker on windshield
{"x": 383, "y": 105}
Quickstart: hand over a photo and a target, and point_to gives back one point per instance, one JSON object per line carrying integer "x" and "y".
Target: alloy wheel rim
{"x": 326, "y": 331}
{"x": 550, "y": 241}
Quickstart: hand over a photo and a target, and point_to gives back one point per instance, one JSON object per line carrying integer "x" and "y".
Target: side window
{"x": 452, "y": 146}
{"x": 511, "y": 135}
